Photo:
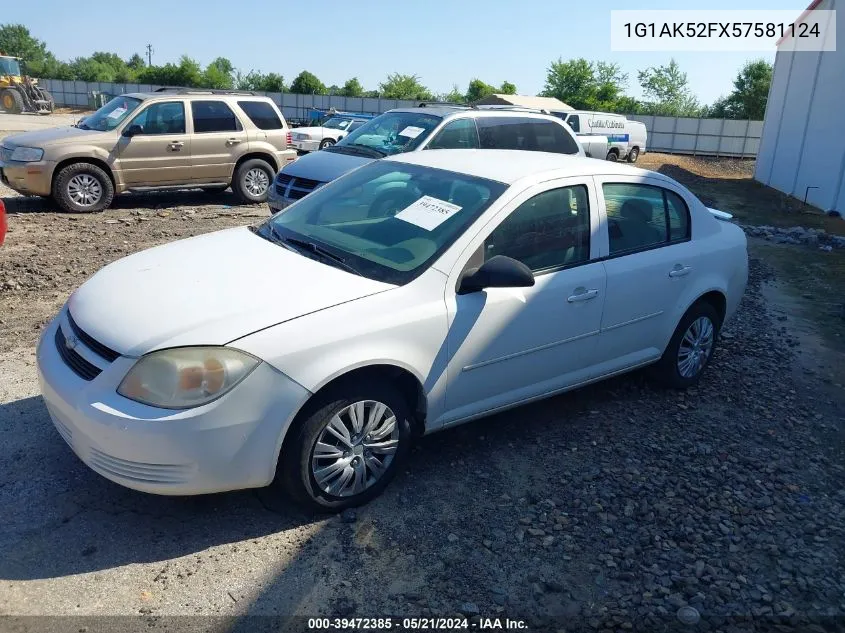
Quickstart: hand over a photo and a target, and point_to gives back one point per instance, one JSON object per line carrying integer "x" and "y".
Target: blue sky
{"x": 445, "y": 42}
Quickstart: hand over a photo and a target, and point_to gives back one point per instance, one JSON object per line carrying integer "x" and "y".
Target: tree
{"x": 306, "y": 83}
{"x": 219, "y": 74}
{"x": 454, "y": 96}
{"x": 666, "y": 91}
{"x": 16, "y": 40}
{"x": 750, "y": 93}
{"x": 352, "y": 88}
{"x": 136, "y": 62}
{"x": 398, "y": 86}
{"x": 477, "y": 89}
{"x": 588, "y": 86}
{"x": 507, "y": 88}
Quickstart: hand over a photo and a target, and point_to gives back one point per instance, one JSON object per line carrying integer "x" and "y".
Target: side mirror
{"x": 496, "y": 272}
{"x": 132, "y": 130}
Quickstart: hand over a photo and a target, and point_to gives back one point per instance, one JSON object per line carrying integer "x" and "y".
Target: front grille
{"x": 140, "y": 471}
{"x": 95, "y": 346}
{"x": 293, "y": 187}
{"x": 79, "y": 365}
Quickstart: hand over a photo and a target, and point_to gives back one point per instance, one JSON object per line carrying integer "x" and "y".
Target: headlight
{"x": 27, "y": 154}
{"x": 186, "y": 377}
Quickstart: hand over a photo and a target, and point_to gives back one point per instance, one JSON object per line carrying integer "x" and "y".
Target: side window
{"x": 525, "y": 133}
{"x": 162, "y": 118}
{"x": 679, "y": 221}
{"x": 550, "y": 230}
{"x": 643, "y": 216}
{"x": 261, "y": 113}
{"x": 459, "y": 134}
{"x": 355, "y": 125}
{"x": 213, "y": 116}
{"x": 574, "y": 123}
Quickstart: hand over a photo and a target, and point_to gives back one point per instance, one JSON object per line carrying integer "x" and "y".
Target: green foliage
{"x": 507, "y": 88}
{"x": 136, "y": 62}
{"x": 352, "y": 88}
{"x": 749, "y": 96}
{"x": 219, "y": 75}
{"x": 477, "y": 89}
{"x": 306, "y": 83}
{"x": 585, "y": 85}
{"x": 667, "y": 92}
{"x": 453, "y": 96}
{"x": 398, "y": 86}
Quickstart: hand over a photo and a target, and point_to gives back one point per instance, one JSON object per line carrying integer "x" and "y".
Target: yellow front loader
{"x": 19, "y": 93}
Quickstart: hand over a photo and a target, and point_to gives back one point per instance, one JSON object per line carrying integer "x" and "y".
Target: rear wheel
{"x": 252, "y": 181}
{"x": 83, "y": 188}
{"x": 690, "y": 349}
{"x": 633, "y": 155}
{"x": 326, "y": 142}
{"x": 347, "y": 447}
{"x": 12, "y": 101}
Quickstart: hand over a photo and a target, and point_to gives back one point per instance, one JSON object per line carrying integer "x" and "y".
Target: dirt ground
{"x": 609, "y": 508}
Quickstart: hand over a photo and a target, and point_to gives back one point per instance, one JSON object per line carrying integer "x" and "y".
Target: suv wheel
{"x": 252, "y": 181}
{"x": 83, "y": 188}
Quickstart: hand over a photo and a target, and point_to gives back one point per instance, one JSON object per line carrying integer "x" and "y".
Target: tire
{"x": 12, "y": 101}
{"x": 247, "y": 178}
{"x": 667, "y": 370}
{"x": 215, "y": 190}
{"x": 612, "y": 156}
{"x": 633, "y": 155}
{"x": 326, "y": 142}
{"x": 295, "y": 473}
{"x": 50, "y": 100}
{"x": 81, "y": 177}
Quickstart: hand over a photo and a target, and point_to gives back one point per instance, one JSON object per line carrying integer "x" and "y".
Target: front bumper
{"x": 277, "y": 201}
{"x": 306, "y": 146}
{"x": 34, "y": 178}
{"x": 228, "y": 444}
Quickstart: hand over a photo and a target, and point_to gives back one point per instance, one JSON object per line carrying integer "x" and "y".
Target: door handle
{"x": 679, "y": 271}
{"x": 233, "y": 141}
{"x": 582, "y": 294}
{"x": 175, "y": 146}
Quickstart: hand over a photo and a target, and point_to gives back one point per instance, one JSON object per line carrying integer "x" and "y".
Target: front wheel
{"x": 348, "y": 446}
{"x": 83, "y": 188}
{"x": 326, "y": 142}
{"x": 633, "y": 155}
{"x": 612, "y": 156}
{"x": 252, "y": 181}
{"x": 690, "y": 349}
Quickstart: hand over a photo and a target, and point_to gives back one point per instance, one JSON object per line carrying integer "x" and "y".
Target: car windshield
{"x": 10, "y": 66}
{"x": 110, "y": 115}
{"x": 337, "y": 123}
{"x": 392, "y": 132}
{"x": 387, "y": 220}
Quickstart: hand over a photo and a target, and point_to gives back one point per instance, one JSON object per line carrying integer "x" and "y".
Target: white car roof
{"x": 508, "y": 166}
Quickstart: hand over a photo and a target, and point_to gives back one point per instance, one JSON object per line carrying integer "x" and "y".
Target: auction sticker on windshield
{"x": 428, "y": 213}
{"x": 412, "y": 131}
{"x": 117, "y": 113}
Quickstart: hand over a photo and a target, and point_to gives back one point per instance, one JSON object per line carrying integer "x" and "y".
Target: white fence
{"x": 673, "y": 135}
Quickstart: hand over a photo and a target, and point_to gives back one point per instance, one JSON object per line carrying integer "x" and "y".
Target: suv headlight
{"x": 186, "y": 377}
{"x": 27, "y": 154}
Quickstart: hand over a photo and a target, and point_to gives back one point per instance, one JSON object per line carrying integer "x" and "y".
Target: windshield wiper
{"x": 354, "y": 148}
{"x": 316, "y": 249}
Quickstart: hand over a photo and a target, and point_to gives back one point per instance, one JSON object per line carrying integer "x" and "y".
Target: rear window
{"x": 536, "y": 135}
{"x": 262, "y": 114}
{"x": 213, "y": 116}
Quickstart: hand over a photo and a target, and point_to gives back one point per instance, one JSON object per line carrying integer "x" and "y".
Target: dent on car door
{"x": 650, "y": 263}
{"x": 507, "y": 345}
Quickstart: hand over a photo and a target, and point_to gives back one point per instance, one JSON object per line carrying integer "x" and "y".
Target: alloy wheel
{"x": 256, "y": 182}
{"x": 695, "y": 347}
{"x": 84, "y": 190}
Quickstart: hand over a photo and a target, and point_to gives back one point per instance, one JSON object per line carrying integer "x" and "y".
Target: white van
{"x": 626, "y": 138}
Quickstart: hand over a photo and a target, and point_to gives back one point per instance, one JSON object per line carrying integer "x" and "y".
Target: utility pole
{"x": 150, "y": 54}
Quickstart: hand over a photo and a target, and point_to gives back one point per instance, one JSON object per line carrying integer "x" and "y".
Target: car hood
{"x": 40, "y": 138}
{"x": 324, "y": 166}
{"x": 207, "y": 290}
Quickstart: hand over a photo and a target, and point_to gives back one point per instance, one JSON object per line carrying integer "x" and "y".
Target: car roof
{"x": 446, "y": 111}
{"x": 508, "y": 166}
{"x": 194, "y": 95}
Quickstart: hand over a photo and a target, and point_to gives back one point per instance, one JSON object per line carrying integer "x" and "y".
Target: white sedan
{"x": 311, "y": 139}
{"x": 410, "y": 295}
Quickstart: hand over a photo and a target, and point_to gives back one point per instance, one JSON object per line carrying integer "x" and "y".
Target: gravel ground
{"x": 606, "y": 509}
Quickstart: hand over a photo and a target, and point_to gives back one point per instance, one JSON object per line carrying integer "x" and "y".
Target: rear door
{"x": 650, "y": 262}
{"x": 160, "y": 152}
{"x": 219, "y": 139}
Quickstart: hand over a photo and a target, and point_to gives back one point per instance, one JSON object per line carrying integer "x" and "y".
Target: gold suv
{"x": 170, "y": 139}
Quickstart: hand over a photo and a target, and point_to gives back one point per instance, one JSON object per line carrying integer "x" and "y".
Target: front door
{"x": 511, "y": 344}
{"x": 159, "y": 152}
{"x": 219, "y": 140}
{"x": 651, "y": 262}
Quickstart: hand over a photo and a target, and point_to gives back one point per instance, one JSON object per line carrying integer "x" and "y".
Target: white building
{"x": 802, "y": 150}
